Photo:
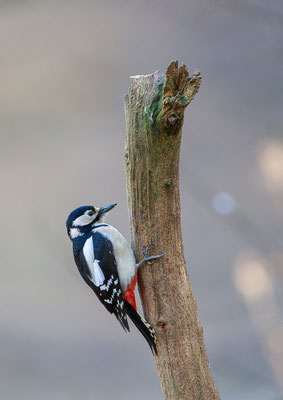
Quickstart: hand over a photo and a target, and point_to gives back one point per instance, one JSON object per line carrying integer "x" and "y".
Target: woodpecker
{"x": 107, "y": 264}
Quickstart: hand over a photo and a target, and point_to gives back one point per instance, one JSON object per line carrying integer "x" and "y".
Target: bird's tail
{"x": 143, "y": 326}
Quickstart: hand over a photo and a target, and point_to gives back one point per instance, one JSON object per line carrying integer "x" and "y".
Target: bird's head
{"x": 82, "y": 219}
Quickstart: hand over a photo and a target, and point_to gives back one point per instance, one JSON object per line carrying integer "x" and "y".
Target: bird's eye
{"x": 90, "y": 213}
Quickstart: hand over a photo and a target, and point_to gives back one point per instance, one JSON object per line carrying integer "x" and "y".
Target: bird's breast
{"x": 125, "y": 259}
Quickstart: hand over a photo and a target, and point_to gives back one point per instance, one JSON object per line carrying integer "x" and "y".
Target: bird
{"x": 107, "y": 264}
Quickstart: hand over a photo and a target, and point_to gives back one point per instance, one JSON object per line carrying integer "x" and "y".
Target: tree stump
{"x": 154, "y": 111}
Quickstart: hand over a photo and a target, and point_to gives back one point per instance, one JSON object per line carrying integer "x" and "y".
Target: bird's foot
{"x": 146, "y": 258}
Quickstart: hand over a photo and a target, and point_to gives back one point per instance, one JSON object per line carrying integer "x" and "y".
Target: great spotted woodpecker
{"x": 107, "y": 263}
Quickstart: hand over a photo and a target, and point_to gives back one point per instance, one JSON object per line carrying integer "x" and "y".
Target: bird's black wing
{"x": 99, "y": 270}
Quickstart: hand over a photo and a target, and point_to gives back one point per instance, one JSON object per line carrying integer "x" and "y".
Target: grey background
{"x": 65, "y": 67}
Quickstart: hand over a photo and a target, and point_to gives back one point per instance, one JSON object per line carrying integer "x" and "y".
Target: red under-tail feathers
{"x": 129, "y": 296}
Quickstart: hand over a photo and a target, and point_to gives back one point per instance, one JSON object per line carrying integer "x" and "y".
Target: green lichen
{"x": 153, "y": 110}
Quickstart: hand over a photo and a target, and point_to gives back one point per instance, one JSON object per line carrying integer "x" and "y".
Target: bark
{"x": 154, "y": 115}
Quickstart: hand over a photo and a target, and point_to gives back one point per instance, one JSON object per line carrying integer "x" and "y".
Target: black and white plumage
{"x": 106, "y": 262}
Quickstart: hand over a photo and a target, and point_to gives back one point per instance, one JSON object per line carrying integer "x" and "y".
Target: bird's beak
{"x": 105, "y": 210}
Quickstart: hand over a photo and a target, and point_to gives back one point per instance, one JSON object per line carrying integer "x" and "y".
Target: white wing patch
{"x": 124, "y": 256}
{"x": 97, "y": 275}
{"x": 95, "y": 272}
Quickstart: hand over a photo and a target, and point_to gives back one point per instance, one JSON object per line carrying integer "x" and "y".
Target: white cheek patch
{"x": 83, "y": 220}
{"x": 95, "y": 272}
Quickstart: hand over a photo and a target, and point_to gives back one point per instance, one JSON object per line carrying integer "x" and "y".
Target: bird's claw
{"x": 146, "y": 258}
{"x": 145, "y": 250}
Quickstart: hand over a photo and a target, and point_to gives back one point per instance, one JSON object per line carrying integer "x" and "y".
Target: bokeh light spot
{"x": 251, "y": 278}
{"x": 223, "y": 203}
{"x": 271, "y": 164}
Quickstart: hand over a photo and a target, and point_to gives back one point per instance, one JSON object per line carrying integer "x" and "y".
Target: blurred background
{"x": 65, "y": 67}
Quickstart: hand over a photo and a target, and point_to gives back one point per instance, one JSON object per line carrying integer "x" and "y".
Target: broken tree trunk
{"x": 155, "y": 109}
